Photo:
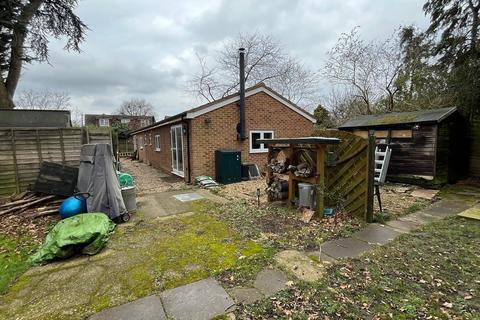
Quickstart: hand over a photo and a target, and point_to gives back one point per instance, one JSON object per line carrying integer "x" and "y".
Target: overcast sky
{"x": 146, "y": 48}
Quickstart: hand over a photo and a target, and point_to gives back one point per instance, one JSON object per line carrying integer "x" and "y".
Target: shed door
{"x": 176, "y": 135}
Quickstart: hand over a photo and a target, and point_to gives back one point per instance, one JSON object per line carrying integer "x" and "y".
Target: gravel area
{"x": 149, "y": 179}
{"x": 245, "y": 190}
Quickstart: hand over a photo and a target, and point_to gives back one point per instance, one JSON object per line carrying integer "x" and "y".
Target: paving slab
{"x": 148, "y": 308}
{"x": 403, "y": 225}
{"x": 428, "y": 194}
{"x": 201, "y": 300}
{"x": 377, "y": 234}
{"x": 345, "y": 248}
{"x": 246, "y": 295}
{"x": 472, "y": 213}
{"x": 270, "y": 281}
{"x": 186, "y": 197}
{"x": 300, "y": 265}
{"x": 446, "y": 208}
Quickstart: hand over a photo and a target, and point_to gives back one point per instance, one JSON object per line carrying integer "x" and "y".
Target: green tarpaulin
{"x": 86, "y": 233}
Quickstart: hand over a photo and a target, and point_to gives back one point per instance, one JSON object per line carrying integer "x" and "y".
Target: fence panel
{"x": 346, "y": 181}
{"x": 23, "y": 150}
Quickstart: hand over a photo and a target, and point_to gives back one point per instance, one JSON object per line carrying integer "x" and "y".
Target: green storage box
{"x": 228, "y": 166}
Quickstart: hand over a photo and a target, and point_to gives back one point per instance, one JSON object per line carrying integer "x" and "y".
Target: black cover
{"x": 57, "y": 179}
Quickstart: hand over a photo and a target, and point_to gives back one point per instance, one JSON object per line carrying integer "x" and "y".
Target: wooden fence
{"x": 346, "y": 182}
{"x": 23, "y": 150}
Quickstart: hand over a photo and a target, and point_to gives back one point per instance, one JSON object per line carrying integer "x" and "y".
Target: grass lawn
{"x": 14, "y": 252}
{"x": 432, "y": 273}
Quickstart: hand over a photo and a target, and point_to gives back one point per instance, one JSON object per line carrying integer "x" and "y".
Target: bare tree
{"x": 43, "y": 100}
{"x": 136, "y": 107}
{"x": 389, "y": 62}
{"x": 343, "y": 105}
{"x": 26, "y": 27}
{"x": 351, "y": 64}
{"x": 265, "y": 61}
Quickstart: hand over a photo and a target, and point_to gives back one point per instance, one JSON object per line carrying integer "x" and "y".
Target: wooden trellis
{"x": 340, "y": 175}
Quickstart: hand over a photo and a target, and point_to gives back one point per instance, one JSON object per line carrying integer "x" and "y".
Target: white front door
{"x": 176, "y": 133}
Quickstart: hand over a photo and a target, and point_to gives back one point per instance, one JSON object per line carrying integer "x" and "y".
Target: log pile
{"x": 31, "y": 205}
{"x": 278, "y": 166}
{"x": 301, "y": 170}
{"x": 278, "y": 189}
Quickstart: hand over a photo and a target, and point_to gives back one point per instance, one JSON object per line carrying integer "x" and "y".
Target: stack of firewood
{"x": 301, "y": 170}
{"x": 278, "y": 189}
{"x": 32, "y": 205}
{"x": 278, "y": 166}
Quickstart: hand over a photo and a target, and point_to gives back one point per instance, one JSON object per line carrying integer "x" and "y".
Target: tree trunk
{"x": 7, "y": 88}
{"x": 6, "y": 101}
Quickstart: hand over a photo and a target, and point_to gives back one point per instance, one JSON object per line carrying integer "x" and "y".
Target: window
{"x": 104, "y": 122}
{"x": 140, "y": 142}
{"x": 144, "y": 122}
{"x": 125, "y": 120}
{"x": 150, "y": 138}
{"x": 157, "y": 142}
{"x": 259, "y": 147}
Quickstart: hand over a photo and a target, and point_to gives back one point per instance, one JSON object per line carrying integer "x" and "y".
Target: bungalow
{"x": 185, "y": 144}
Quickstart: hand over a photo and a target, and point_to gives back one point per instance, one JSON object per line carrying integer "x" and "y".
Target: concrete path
{"x": 206, "y": 299}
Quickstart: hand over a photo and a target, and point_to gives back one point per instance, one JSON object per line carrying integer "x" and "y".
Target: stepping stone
{"x": 200, "y": 300}
{"x": 345, "y": 248}
{"x": 246, "y": 295}
{"x": 270, "y": 281}
{"x": 300, "y": 265}
{"x": 376, "y": 234}
{"x": 428, "y": 194}
{"x": 148, "y": 308}
{"x": 402, "y": 225}
{"x": 322, "y": 257}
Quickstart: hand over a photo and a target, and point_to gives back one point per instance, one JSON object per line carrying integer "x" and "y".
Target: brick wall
{"x": 217, "y": 130}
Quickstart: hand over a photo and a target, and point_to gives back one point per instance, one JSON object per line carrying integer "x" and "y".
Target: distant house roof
{"x": 433, "y": 115}
{"x": 208, "y": 107}
{"x": 125, "y": 116}
{"x": 19, "y": 118}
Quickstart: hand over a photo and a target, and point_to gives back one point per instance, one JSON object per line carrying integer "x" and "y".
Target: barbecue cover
{"x": 98, "y": 177}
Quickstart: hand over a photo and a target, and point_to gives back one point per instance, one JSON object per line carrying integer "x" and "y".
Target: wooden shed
{"x": 429, "y": 147}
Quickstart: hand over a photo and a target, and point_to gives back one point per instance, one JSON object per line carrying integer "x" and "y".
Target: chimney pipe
{"x": 241, "y": 131}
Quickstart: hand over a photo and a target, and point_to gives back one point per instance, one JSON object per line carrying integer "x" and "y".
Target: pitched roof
{"x": 213, "y": 105}
{"x": 433, "y": 115}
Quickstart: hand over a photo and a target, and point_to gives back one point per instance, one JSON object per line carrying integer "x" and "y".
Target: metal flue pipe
{"x": 241, "y": 131}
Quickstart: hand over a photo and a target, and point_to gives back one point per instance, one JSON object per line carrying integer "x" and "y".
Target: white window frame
{"x": 104, "y": 122}
{"x": 150, "y": 138}
{"x": 262, "y": 149}
{"x": 125, "y": 120}
{"x": 158, "y": 145}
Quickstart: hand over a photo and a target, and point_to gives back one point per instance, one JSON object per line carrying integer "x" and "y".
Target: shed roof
{"x": 301, "y": 140}
{"x": 433, "y": 115}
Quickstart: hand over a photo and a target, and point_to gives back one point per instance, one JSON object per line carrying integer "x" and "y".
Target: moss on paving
{"x": 141, "y": 258}
{"x": 431, "y": 273}
{"x": 14, "y": 253}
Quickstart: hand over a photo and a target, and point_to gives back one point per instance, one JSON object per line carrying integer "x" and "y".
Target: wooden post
{"x": 320, "y": 171}
{"x": 15, "y": 163}
{"x": 62, "y": 146}
{"x": 370, "y": 176}
{"x": 39, "y": 148}
{"x": 291, "y": 182}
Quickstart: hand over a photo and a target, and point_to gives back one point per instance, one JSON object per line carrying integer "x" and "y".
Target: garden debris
{"x": 244, "y": 190}
{"x": 306, "y": 214}
{"x": 32, "y": 205}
